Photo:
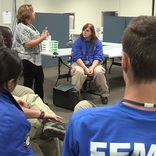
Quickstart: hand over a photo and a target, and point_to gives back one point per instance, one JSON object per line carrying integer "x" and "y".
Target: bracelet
{"x": 42, "y": 114}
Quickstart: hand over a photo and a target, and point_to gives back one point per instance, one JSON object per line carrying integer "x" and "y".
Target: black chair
{"x": 69, "y": 44}
{"x": 87, "y": 88}
{"x": 87, "y": 85}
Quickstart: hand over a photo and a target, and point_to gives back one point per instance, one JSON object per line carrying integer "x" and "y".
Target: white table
{"x": 61, "y": 52}
{"x": 112, "y": 51}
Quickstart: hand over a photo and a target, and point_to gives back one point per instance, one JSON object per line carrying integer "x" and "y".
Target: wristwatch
{"x": 42, "y": 114}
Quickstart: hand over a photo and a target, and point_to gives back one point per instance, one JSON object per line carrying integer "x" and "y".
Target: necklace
{"x": 146, "y": 105}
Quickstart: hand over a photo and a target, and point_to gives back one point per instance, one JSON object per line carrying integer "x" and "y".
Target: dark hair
{"x": 1, "y": 40}
{"x": 7, "y": 35}
{"x": 24, "y": 13}
{"x": 139, "y": 43}
{"x": 93, "y": 34}
{"x": 10, "y": 65}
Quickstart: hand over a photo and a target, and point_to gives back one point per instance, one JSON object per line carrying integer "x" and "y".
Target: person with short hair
{"x": 7, "y": 36}
{"x": 1, "y": 41}
{"x": 87, "y": 55}
{"x": 128, "y": 127}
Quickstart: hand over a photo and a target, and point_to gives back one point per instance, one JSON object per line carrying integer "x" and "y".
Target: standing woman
{"x": 27, "y": 41}
{"x": 14, "y": 125}
{"x": 86, "y": 61}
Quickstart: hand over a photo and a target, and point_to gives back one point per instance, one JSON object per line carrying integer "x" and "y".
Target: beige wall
{"x": 9, "y": 5}
{"x": 135, "y": 7}
{"x": 85, "y": 10}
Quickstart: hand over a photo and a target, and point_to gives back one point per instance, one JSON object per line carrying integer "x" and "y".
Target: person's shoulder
{"x": 98, "y": 41}
{"x": 78, "y": 39}
{"x": 21, "y": 26}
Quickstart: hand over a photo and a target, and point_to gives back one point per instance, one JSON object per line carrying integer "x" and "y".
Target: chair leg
{"x": 111, "y": 65}
{"x": 114, "y": 63}
{"x": 84, "y": 90}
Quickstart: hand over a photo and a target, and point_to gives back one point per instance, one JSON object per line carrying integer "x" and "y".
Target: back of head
{"x": 7, "y": 35}
{"x": 139, "y": 42}
{"x": 10, "y": 65}
{"x": 1, "y": 41}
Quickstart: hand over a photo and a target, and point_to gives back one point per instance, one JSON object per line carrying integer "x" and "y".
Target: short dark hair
{"x": 7, "y": 35}
{"x": 139, "y": 43}
{"x": 10, "y": 65}
{"x": 1, "y": 40}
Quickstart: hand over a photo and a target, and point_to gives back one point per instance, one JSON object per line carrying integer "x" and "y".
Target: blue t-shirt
{"x": 117, "y": 130}
{"x": 14, "y": 128}
{"x": 84, "y": 50}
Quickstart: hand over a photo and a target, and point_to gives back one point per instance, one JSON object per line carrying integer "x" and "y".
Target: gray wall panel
{"x": 113, "y": 28}
{"x": 128, "y": 19}
{"x": 58, "y": 26}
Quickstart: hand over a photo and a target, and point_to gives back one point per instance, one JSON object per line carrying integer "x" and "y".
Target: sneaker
{"x": 53, "y": 128}
{"x": 104, "y": 100}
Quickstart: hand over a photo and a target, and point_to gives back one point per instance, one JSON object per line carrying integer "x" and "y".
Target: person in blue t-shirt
{"x": 14, "y": 125}
{"x": 87, "y": 54}
{"x": 32, "y": 105}
{"x": 127, "y": 128}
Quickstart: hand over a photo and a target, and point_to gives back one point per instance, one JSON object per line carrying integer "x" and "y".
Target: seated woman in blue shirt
{"x": 13, "y": 122}
{"x": 86, "y": 58}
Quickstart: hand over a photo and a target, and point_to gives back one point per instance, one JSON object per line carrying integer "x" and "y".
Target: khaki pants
{"x": 79, "y": 77}
{"x": 84, "y": 104}
{"x": 19, "y": 91}
{"x": 49, "y": 147}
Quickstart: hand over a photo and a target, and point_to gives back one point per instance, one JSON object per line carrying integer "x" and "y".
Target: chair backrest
{"x": 7, "y": 35}
{"x": 69, "y": 44}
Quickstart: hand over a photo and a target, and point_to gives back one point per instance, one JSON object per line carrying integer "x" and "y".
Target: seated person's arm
{"x": 94, "y": 64}
{"x": 81, "y": 64}
{"x": 31, "y": 113}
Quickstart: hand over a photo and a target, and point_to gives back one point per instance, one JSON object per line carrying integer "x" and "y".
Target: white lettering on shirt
{"x": 121, "y": 149}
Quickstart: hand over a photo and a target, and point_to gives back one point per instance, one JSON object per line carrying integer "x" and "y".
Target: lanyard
{"x": 87, "y": 50}
{"x": 88, "y": 46}
{"x": 146, "y": 105}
